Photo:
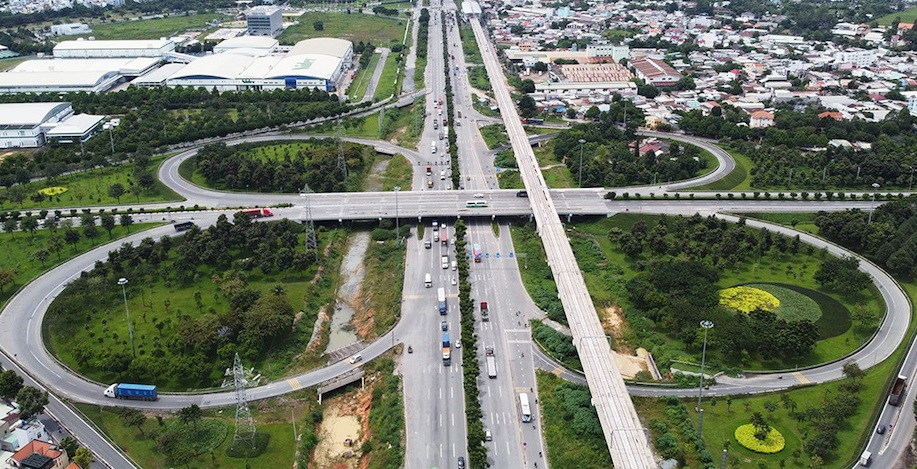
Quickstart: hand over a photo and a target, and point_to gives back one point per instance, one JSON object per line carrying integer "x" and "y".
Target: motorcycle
{"x": 410, "y": 349}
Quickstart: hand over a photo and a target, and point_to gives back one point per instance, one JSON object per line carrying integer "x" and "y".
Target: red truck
{"x": 484, "y": 312}
{"x": 429, "y": 171}
{"x": 259, "y": 212}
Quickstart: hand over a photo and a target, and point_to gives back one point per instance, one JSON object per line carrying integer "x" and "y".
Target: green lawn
{"x": 354, "y": 27}
{"x": 390, "y": 80}
{"x": 800, "y": 221}
{"x": 559, "y": 177}
{"x": 399, "y": 172}
{"x": 469, "y": 45}
{"x": 361, "y": 81}
{"x": 90, "y": 188}
{"x": 510, "y": 179}
{"x": 18, "y": 250}
{"x": 154, "y": 28}
{"x": 739, "y": 179}
{"x": 905, "y": 16}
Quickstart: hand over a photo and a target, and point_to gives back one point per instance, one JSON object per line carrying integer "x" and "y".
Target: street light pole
{"x": 581, "y": 142}
{"x": 130, "y": 331}
{"x": 397, "y": 225}
{"x": 707, "y": 325}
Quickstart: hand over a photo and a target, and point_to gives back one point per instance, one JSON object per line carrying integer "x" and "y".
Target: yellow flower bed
{"x": 774, "y": 443}
{"x": 53, "y": 190}
{"x": 748, "y": 299}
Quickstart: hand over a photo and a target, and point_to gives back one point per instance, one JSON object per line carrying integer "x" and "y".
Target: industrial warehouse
{"x": 243, "y": 63}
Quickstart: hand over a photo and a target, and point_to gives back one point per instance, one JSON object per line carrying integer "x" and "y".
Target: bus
{"x": 476, "y": 204}
{"x": 524, "y": 404}
{"x": 477, "y": 253}
{"x": 444, "y": 236}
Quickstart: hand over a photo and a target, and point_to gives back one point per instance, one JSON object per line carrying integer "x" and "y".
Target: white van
{"x": 454, "y": 265}
{"x": 442, "y": 175}
{"x": 445, "y": 262}
{"x": 433, "y": 146}
{"x": 428, "y": 281}
{"x": 865, "y": 458}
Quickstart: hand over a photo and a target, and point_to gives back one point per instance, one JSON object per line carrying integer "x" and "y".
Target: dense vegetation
{"x": 76, "y": 10}
{"x": 244, "y": 167}
{"x": 608, "y": 159}
{"x": 423, "y": 32}
{"x": 887, "y": 235}
{"x": 154, "y": 117}
{"x": 188, "y": 347}
{"x": 571, "y": 426}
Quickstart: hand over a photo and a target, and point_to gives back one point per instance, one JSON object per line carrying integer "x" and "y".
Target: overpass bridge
{"x": 624, "y": 434}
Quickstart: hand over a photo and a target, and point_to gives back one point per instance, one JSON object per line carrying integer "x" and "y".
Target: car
{"x": 444, "y": 325}
{"x": 453, "y": 280}
{"x": 458, "y": 343}
{"x": 880, "y": 429}
{"x": 488, "y": 436}
{"x": 461, "y": 462}
{"x": 522, "y": 194}
{"x": 356, "y": 358}
{"x": 478, "y": 196}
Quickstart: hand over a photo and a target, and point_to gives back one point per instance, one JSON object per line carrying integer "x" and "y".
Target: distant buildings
{"x": 83, "y": 49}
{"x": 264, "y": 21}
{"x": 655, "y": 72}
{"x": 761, "y": 119}
{"x": 70, "y": 29}
{"x": 607, "y": 51}
{"x": 31, "y": 125}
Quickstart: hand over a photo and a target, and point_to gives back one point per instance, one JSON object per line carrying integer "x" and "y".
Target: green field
{"x": 510, "y": 179}
{"x": 390, "y": 80}
{"x": 905, "y": 16}
{"x": 90, "y": 188}
{"x": 19, "y": 250}
{"x": 569, "y": 446}
{"x": 800, "y": 221}
{"x": 398, "y": 173}
{"x": 382, "y": 32}
{"x": 494, "y": 135}
{"x": 154, "y": 28}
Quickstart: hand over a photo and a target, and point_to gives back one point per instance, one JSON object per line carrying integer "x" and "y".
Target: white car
{"x": 356, "y": 358}
{"x": 478, "y": 196}
{"x": 453, "y": 280}
{"x": 458, "y": 343}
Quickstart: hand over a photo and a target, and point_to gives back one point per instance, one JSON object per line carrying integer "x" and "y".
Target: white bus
{"x": 524, "y": 404}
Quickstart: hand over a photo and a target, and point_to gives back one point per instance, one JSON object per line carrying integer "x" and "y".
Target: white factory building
{"x": 313, "y": 63}
{"x": 86, "y": 49}
{"x": 72, "y": 75}
{"x": 31, "y": 125}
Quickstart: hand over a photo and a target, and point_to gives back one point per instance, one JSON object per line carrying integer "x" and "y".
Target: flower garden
{"x": 774, "y": 443}
{"x": 53, "y": 190}
{"x": 747, "y": 299}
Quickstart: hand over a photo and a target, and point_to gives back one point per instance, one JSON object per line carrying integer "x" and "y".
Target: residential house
{"x": 761, "y": 119}
{"x": 39, "y": 455}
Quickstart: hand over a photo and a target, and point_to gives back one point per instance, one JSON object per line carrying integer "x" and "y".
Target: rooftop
{"x": 28, "y": 114}
{"x": 115, "y": 44}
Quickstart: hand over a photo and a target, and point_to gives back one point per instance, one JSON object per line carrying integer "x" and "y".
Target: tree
{"x": 10, "y": 384}
{"x": 70, "y": 445}
{"x": 133, "y": 418}
{"x": 126, "y": 221}
{"x": 31, "y": 401}
{"x": 528, "y": 107}
{"x": 42, "y": 255}
{"x": 592, "y": 113}
{"x": 7, "y": 276}
{"x": 762, "y": 429}
{"x": 540, "y": 67}
{"x": 29, "y": 224}
{"x": 116, "y": 190}
{"x": 853, "y": 371}
{"x": 318, "y": 26}
{"x": 72, "y": 237}
{"x": 843, "y": 274}
{"x": 190, "y": 414}
{"x": 90, "y": 231}
{"x": 107, "y": 221}
{"x": 9, "y": 225}
{"x": 528, "y": 86}
{"x": 83, "y": 458}
{"x": 55, "y": 244}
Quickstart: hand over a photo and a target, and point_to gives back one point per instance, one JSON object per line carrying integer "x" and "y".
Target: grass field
{"x": 494, "y": 135}
{"x": 469, "y": 45}
{"x": 154, "y": 28}
{"x": 739, "y": 179}
{"x": 18, "y": 250}
{"x": 510, "y": 179}
{"x": 794, "y": 306}
{"x": 800, "y": 221}
{"x": 90, "y": 188}
{"x": 356, "y": 27}
{"x": 399, "y": 172}
{"x": 905, "y": 16}
{"x": 390, "y": 80}
{"x": 477, "y": 77}
{"x": 271, "y": 417}
{"x": 361, "y": 81}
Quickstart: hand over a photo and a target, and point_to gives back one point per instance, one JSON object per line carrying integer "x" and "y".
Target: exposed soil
{"x": 364, "y": 319}
{"x": 344, "y": 417}
{"x": 373, "y": 180}
{"x": 321, "y": 268}
{"x": 613, "y": 324}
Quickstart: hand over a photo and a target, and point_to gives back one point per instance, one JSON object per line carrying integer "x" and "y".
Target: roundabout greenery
{"x": 747, "y": 299}
{"x": 772, "y": 443}
{"x": 53, "y": 190}
{"x": 794, "y": 305}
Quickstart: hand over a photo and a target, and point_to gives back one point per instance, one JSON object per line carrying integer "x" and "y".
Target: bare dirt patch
{"x": 364, "y": 319}
{"x": 613, "y": 324}
{"x": 344, "y": 417}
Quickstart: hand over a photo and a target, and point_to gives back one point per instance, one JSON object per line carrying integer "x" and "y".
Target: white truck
{"x": 491, "y": 362}
{"x": 865, "y": 458}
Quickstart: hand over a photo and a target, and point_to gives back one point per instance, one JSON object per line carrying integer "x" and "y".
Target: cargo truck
{"x": 485, "y": 314}
{"x": 441, "y": 298}
{"x": 897, "y": 390}
{"x": 491, "y": 362}
{"x": 447, "y": 350}
{"x": 477, "y": 253}
{"x": 146, "y": 392}
{"x": 444, "y": 237}
{"x": 865, "y": 458}
{"x": 258, "y": 212}
{"x": 183, "y": 226}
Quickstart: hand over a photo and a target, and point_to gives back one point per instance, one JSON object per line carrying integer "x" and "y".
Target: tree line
{"x": 155, "y": 117}
{"x": 188, "y": 349}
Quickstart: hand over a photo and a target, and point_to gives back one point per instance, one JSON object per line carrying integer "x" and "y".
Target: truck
{"x": 897, "y": 390}
{"x": 441, "y": 299}
{"x": 865, "y": 458}
{"x": 447, "y": 350}
{"x": 484, "y": 312}
{"x": 428, "y": 281}
{"x": 444, "y": 237}
{"x": 429, "y": 171}
{"x": 530, "y": 120}
{"x": 183, "y": 226}
{"x": 477, "y": 253}
{"x": 146, "y": 392}
{"x": 491, "y": 361}
{"x": 258, "y": 212}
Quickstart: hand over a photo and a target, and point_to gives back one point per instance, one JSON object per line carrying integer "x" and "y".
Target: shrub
{"x": 774, "y": 443}
{"x": 748, "y": 299}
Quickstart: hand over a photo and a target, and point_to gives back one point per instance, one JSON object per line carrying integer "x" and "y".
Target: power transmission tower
{"x": 342, "y": 163}
{"x": 245, "y": 426}
{"x": 306, "y": 215}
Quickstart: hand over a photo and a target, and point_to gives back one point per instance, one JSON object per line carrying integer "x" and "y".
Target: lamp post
{"x": 397, "y": 226}
{"x": 581, "y": 142}
{"x": 707, "y": 325}
{"x": 130, "y": 331}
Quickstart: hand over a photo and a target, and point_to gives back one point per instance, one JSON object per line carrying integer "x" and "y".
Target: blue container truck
{"x": 146, "y": 392}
